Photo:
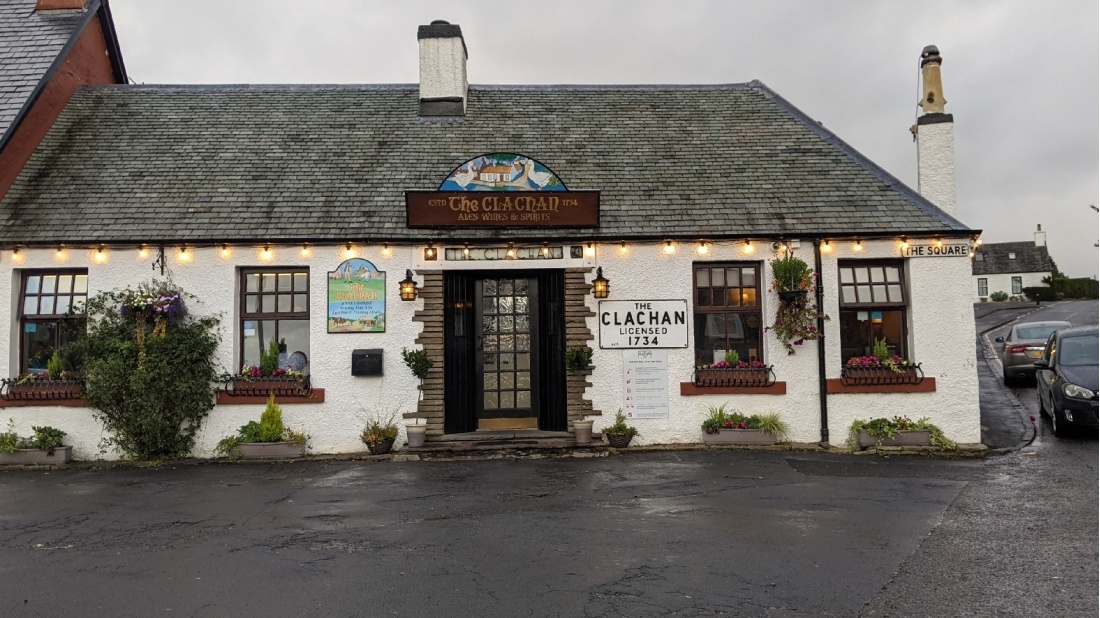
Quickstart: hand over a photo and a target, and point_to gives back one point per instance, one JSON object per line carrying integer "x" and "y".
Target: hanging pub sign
{"x": 502, "y": 190}
{"x": 643, "y": 323}
{"x": 356, "y": 298}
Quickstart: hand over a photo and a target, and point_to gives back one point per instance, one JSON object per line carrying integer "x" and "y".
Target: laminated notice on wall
{"x": 645, "y": 383}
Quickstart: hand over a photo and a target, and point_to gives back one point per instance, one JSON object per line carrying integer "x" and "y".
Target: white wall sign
{"x": 643, "y": 323}
{"x": 959, "y": 249}
{"x": 645, "y": 383}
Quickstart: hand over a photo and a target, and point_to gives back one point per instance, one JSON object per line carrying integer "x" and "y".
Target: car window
{"x": 1078, "y": 351}
{"x": 1037, "y": 332}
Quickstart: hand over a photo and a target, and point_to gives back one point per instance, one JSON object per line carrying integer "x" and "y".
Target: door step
{"x": 518, "y": 440}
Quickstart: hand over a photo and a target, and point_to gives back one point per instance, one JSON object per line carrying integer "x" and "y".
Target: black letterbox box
{"x": 366, "y": 362}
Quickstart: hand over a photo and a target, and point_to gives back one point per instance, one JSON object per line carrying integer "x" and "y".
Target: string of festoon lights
{"x": 184, "y": 253}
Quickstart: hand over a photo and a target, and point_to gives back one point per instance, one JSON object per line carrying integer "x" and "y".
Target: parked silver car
{"x": 1023, "y": 346}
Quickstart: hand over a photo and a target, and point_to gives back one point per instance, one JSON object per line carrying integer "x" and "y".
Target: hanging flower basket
{"x": 760, "y": 376}
{"x": 790, "y": 297}
{"x": 40, "y": 389}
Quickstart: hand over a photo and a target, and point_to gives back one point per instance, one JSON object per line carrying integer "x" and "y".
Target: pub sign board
{"x": 639, "y": 324}
{"x": 500, "y": 190}
{"x": 356, "y": 298}
{"x": 435, "y": 209}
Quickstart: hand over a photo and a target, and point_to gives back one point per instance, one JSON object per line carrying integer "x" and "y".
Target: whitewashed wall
{"x": 941, "y": 326}
{"x": 1003, "y": 283}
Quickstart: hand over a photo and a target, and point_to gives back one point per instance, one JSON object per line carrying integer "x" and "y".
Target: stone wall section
{"x": 578, "y": 334}
{"x": 430, "y": 407}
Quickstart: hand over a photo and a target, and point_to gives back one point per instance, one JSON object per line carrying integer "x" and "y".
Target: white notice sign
{"x": 645, "y": 383}
{"x": 643, "y": 323}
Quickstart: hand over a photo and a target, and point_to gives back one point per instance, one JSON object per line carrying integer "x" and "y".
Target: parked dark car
{"x": 1067, "y": 379}
{"x": 1023, "y": 346}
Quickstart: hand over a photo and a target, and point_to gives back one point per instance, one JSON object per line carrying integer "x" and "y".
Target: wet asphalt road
{"x": 749, "y": 533}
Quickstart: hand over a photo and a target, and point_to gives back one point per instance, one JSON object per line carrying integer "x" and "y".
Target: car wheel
{"x": 1058, "y": 424}
{"x": 1009, "y": 381}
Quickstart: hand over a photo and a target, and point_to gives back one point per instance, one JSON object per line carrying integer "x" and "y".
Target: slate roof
{"x": 1029, "y": 259}
{"x": 296, "y": 163}
{"x": 30, "y": 43}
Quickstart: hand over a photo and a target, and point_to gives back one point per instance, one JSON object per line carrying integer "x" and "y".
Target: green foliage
{"x": 150, "y": 384}
{"x": 269, "y": 360}
{"x": 578, "y": 359}
{"x": 271, "y": 422}
{"x": 880, "y": 350}
{"x": 45, "y": 438}
{"x": 887, "y": 428}
{"x": 732, "y": 357}
{"x": 54, "y": 366}
{"x": 380, "y": 429}
{"x": 620, "y": 427}
{"x": 791, "y": 273}
{"x": 417, "y": 361}
{"x": 998, "y": 297}
{"x": 719, "y": 418}
{"x": 270, "y": 429}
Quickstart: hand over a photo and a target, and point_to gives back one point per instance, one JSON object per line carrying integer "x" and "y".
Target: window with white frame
{"x": 51, "y": 315}
{"x": 275, "y": 307}
{"x": 873, "y": 305}
{"x": 983, "y": 287}
{"x": 1017, "y": 285}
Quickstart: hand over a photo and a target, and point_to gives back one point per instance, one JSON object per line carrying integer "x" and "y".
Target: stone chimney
{"x": 443, "y": 82}
{"x": 935, "y": 135}
{"x": 1040, "y": 236}
{"x": 59, "y": 5}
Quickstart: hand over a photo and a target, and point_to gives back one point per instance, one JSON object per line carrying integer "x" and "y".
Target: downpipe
{"x": 819, "y": 298}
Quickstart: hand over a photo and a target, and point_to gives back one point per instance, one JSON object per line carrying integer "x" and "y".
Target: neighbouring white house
{"x": 1010, "y": 267}
{"x": 342, "y": 223}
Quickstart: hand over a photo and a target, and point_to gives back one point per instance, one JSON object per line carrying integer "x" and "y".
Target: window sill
{"x": 834, "y": 386}
{"x": 689, "y": 389}
{"x": 317, "y": 395}
{"x": 31, "y": 403}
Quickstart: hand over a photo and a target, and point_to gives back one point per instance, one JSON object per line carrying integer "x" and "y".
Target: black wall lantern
{"x": 408, "y": 286}
{"x": 600, "y": 286}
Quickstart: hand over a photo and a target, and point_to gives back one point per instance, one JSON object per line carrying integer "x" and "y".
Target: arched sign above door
{"x": 502, "y": 190}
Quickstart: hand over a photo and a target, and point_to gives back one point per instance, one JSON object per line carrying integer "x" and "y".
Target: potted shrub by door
{"x": 619, "y": 434}
{"x": 268, "y": 439}
{"x": 44, "y": 447}
{"x": 898, "y": 431}
{"x": 419, "y": 364}
{"x": 379, "y": 435}
{"x": 722, "y": 427}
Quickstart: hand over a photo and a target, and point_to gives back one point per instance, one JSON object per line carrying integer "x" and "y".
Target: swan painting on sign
{"x": 502, "y": 171}
{"x": 356, "y": 298}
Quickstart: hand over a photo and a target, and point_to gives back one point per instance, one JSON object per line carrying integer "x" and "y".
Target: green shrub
{"x": 269, "y": 360}
{"x": 880, "y": 350}
{"x": 620, "y": 427}
{"x": 150, "y": 378}
{"x": 578, "y": 359}
{"x": 998, "y": 297}
{"x": 54, "y": 366}
{"x": 379, "y": 429}
{"x": 732, "y": 357}
{"x": 417, "y": 361}
{"x": 791, "y": 274}
{"x": 270, "y": 429}
{"x": 888, "y": 428}
{"x": 271, "y": 422}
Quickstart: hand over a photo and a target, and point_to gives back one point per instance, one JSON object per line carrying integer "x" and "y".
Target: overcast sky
{"x": 1021, "y": 78}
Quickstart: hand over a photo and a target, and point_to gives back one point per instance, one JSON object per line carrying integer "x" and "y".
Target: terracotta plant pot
{"x": 416, "y": 435}
{"x": 60, "y": 455}
{"x": 271, "y": 450}
{"x": 917, "y": 437}
{"x": 739, "y": 436}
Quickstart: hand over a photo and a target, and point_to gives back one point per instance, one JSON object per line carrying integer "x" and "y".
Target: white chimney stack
{"x": 1040, "y": 236}
{"x": 935, "y": 134}
{"x": 443, "y": 82}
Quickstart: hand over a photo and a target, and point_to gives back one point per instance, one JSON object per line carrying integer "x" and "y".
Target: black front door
{"x": 504, "y": 351}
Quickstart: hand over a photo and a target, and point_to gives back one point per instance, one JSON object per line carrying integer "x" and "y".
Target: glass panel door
{"x": 507, "y": 357}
